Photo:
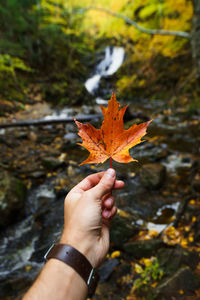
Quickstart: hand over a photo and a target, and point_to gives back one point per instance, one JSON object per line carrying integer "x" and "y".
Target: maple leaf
{"x": 111, "y": 140}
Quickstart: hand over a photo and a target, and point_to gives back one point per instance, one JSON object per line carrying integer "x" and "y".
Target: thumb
{"x": 105, "y": 185}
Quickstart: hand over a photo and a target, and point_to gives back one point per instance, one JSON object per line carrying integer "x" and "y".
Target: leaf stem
{"x": 111, "y": 167}
{"x": 110, "y": 162}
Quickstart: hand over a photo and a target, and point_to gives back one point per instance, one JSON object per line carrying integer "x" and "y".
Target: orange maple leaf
{"x": 111, "y": 140}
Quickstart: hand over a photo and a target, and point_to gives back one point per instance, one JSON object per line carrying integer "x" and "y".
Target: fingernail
{"x": 106, "y": 214}
{"x": 109, "y": 201}
{"x": 120, "y": 181}
{"x": 110, "y": 172}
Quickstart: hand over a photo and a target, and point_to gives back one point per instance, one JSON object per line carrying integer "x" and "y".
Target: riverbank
{"x": 155, "y": 237}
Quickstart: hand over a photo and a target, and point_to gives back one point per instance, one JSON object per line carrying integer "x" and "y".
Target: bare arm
{"x": 89, "y": 208}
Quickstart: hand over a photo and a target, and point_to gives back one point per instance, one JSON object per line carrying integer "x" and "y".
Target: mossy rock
{"x": 146, "y": 248}
{"x": 12, "y": 199}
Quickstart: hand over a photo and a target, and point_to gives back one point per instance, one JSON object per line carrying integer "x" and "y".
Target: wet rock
{"x": 113, "y": 287}
{"x": 21, "y": 135}
{"x": 51, "y": 163}
{"x": 172, "y": 259}
{"x": 2, "y": 139}
{"x": 70, "y": 137}
{"x": 183, "y": 280}
{"x": 147, "y": 248}
{"x": 122, "y": 229}
{"x": 12, "y": 198}
{"x": 107, "y": 269}
{"x": 37, "y": 174}
{"x": 195, "y": 176}
{"x": 196, "y": 182}
{"x": 184, "y": 166}
{"x": 197, "y": 232}
{"x": 152, "y": 175}
{"x": 149, "y": 153}
{"x": 44, "y": 139}
{"x": 162, "y": 154}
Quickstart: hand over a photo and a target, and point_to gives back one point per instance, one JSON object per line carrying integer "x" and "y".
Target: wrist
{"x": 77, "y": 261}
{"x": 83, "y": 245}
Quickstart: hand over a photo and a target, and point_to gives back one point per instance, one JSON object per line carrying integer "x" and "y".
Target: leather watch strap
{"x": 77, "y": 261}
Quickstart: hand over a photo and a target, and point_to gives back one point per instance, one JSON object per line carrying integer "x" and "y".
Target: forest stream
{"x": 159, "y": 195}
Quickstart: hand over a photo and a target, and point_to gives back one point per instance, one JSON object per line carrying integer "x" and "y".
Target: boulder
{"x": 12, "y": 198}
{"x": 144, "y": 248}
{"x": 183, "y": 280}
{"x": 152, "y": 175}
{"x": 51, "y": 163}
{"x": 107, "y": 269}
{"x": 122, "y": 229}
{"x": 172, "y": 258}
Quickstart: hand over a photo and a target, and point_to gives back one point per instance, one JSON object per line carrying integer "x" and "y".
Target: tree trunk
{"x": 38, "y": 122}
{"x": 196, "y": 36}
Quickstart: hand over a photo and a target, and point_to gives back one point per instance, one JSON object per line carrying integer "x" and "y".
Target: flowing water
{"x": 113, "y": 59}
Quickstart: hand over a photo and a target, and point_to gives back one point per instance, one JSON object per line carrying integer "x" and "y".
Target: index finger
{"x": 92, "y": 180}
{"x": 89, "y": 182}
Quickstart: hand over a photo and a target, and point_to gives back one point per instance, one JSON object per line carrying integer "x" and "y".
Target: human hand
{"x": 89, "y": 207}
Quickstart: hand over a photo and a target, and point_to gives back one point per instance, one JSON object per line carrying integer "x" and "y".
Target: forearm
{"x": 57, "y": 281}
{"x": 86, "y": 228}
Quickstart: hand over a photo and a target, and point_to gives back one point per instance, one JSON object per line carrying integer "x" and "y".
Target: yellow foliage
{"x": 138, "y": 269}
{"x": 184, "y": 242}
{"x": 187, "y": 228}
{"x": 194, "y": 219}
{"x": 115, "y": 254}
{"x": 192, "y": 202}
{"x": 154, "y": 284}
{"x": 169, "y": 15}
{"x": 147, "y": 261}
{"x": 123, "y": 213}
{"x": 172, "y": 236}
{"x": 140, "y": 47}
{"x": 151, "y": 234}
{"x": 28, "y": 268}
{"x": 132, "y": 297}
{"x": 191, "y": 239}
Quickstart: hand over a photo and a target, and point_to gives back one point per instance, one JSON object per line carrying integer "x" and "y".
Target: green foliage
{"x": 9, "y": 66}
{"x": 47, "y": 36}
{"x": 149, "y": 275}
{"x": 17, "y": 25}
{"x": 152, "y": 9}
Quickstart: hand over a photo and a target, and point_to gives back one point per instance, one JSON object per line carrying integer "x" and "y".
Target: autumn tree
{"x": 155, "y": 14}
{"x": 195, "y": 39}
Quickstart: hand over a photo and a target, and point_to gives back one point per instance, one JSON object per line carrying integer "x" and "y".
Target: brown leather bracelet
{"x": 77, "y": 261}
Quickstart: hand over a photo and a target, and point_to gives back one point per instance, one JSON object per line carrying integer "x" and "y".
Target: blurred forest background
{"x": 148, "y": 52}
{"x": 48, "y": 47}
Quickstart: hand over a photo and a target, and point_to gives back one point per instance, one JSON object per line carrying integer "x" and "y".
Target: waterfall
{"x": 113, "y": 59}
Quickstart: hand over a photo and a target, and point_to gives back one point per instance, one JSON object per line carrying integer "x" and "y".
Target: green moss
{"x": 19, "y": 188}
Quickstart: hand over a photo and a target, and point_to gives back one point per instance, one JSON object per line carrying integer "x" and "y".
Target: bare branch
{"x": 136, "y": 25}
